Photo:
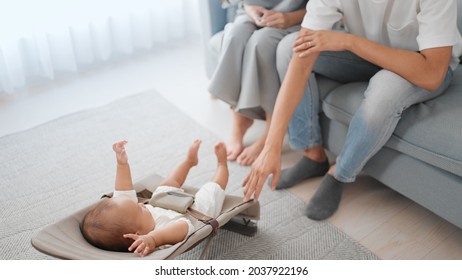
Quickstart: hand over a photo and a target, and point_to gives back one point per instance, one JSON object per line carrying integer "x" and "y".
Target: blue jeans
{"x": 385, "y": 98}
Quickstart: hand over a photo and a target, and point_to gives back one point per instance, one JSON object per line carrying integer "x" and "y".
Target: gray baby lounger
{"x": 64, "y": 239}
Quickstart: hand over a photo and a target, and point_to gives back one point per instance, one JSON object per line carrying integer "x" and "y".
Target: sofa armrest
{"x": 214, "y": 17}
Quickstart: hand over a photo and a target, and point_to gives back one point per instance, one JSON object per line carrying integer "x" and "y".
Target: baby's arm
{"x": 123, "y": 180}
{"x": 170, "y": 234}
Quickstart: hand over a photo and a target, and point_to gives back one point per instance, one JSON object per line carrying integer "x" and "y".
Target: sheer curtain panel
{"x": 49, "y": 39}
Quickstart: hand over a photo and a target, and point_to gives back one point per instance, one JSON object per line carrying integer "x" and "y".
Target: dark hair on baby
{"x": 102, "y": 231}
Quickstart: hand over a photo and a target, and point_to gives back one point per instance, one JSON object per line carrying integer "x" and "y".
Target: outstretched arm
{"x": 170, "y": 234}
{"x": 123, "y": 180}
{"x": 289, "y": 96}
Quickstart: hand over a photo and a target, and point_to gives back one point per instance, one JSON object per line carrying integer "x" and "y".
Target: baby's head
{"x": 105, "y": 224}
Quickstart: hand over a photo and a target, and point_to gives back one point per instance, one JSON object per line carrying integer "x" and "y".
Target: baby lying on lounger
{"x": 121, "y": 223}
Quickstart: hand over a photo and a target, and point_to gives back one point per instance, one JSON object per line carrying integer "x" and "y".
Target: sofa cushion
{"x": 430, "y": 131}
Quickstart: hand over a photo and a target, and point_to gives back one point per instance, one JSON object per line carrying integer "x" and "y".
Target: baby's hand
{"x": 121, "y": 154}
{"x": 143, "y": 244}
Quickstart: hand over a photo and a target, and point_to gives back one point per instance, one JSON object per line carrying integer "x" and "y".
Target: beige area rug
{"x": 53, "y": 170}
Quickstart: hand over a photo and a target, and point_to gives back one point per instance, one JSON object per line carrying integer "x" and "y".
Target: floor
{"x": 390, "y": 225}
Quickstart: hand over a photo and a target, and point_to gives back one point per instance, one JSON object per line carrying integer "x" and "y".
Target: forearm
{"x": 295, "y": 18}
{"x": 123, "y": 179}
{"x": 289, "y": 96}
{"x": 422, "y": 70}
{"x": 170, "y": 234}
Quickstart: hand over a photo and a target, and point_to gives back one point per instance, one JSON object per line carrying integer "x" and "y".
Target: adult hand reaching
{"x": 268, "y": 162}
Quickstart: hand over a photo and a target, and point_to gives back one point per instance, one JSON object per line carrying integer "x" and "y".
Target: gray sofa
{"x": 423, "y": 158}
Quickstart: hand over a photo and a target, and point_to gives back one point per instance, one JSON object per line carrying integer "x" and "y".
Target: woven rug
{"x": 55, "y": 169}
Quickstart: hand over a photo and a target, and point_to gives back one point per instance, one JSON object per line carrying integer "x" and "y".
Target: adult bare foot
{"x": 236, "y": 144}
{"x": 192, "y": 157}
{"x": 250, "y": 154}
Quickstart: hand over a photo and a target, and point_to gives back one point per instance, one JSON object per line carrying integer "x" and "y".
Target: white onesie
{"x": 208, "y": 200}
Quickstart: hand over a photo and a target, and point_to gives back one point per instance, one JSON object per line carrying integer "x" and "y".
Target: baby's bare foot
{"x": 220, "y": 152}
{"x": 192, "y": 157}
{"x": 121, "y": 154}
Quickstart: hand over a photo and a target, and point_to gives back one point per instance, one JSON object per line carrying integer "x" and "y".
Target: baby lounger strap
{"x": 205, "y": 219}
{"x": 181, "y": 202}
{"x": 172, "y": 200}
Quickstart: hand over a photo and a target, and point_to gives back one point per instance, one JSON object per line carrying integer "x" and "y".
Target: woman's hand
{"x": 268, "y": 162}
{"x": 311, "y": 41}
{"x": 255, "y": 12}
{"x": 274, "y": 19}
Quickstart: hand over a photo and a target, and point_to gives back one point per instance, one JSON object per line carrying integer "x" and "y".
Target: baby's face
{"x": 135, "y": 212}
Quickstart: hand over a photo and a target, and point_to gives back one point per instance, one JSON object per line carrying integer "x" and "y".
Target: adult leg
{"x": 225, "y": 82}
{"x": 260, "y": 83}
{"x": 179, "y": 174}
{"x": 240, "y": 125}
{"x": 304, "y": 129}
{"x": 260, "y": 78}
{"x": 386, "y": 97}
{"x": 249, "y": 154}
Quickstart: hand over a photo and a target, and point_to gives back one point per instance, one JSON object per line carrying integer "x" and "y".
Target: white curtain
{"x": 43, "y": 40}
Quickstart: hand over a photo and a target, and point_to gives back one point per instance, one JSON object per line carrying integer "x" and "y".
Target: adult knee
{"x": 385, "y": 97}
{"x": 238, "y": 34}
{"x": 264, "y": 42}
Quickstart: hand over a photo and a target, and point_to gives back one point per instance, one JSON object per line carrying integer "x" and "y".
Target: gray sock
{"x": 302, "y": 170}
{"x": 325, "y": 201}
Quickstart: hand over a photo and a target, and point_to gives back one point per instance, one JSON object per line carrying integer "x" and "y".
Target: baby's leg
{"x": 209, "y": 199}
{"x": 222, "y": 173}
{"x": 179, "y": 174}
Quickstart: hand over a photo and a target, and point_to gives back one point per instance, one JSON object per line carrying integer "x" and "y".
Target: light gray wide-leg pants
{"x": 246, "y": 76}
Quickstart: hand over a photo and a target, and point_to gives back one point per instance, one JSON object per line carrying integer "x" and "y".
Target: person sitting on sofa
{"x": 246, "y": 76}
{"x": 407, "y": 50}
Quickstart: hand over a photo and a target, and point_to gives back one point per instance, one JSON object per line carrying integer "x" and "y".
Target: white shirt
{"x": 406, "y": 24}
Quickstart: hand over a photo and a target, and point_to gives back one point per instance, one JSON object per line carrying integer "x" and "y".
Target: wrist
{"x": 287, "y": 20}
{"x": 349, "y": 42}
{"x": 153, "y": 240}
{"x": 273, "y": 147}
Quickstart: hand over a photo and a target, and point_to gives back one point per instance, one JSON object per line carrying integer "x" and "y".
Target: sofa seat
{"x": 430, "y": 132}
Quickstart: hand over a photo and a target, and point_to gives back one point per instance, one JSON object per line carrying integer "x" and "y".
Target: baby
{"x": 121, "y": 223}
